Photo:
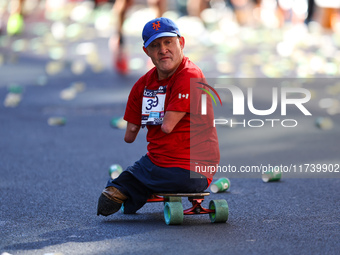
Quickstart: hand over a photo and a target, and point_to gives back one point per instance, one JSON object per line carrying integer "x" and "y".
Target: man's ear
{"x": 181, "y": 42}
{"x": 146, "y": 51}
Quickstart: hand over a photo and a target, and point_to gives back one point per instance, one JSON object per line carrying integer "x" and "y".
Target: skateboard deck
{"x": 173, "y": 209}
{"x": 183, "y": 194}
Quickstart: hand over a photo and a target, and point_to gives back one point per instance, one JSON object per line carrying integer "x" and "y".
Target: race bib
{"x": 153, "y": 106}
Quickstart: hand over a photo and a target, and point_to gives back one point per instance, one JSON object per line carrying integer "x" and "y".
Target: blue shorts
{"x": 144, "y": 178}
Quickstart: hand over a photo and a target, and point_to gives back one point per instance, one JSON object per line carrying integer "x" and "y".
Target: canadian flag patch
{"x": 180, "y": 95}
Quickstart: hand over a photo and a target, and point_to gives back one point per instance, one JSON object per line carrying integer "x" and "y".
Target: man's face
{"x": 166, "y": 54}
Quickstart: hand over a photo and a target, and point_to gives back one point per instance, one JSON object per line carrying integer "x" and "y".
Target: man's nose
{"x": 163, "y": 48}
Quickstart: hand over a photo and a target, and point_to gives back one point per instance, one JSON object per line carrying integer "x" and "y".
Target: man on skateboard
{"x": 168, "y": 103}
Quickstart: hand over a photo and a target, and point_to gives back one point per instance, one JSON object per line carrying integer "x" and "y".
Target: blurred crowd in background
{"x": 225, "y": 38}
{"x": 288, "y": 26}
{"x": 272, "y": 13}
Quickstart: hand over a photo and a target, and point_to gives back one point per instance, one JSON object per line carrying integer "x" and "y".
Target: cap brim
{"x": 154, "y": 37}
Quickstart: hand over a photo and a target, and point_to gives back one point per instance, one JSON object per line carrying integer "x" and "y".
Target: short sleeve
{"x": 133, "y": 111}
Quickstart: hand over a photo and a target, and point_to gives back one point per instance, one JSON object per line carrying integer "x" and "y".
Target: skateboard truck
{"x": 196, "y": 202}
{"x": 197, "y": 207}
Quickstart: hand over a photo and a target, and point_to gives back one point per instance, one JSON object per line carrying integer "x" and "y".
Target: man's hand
{"x": 170, "y": 120}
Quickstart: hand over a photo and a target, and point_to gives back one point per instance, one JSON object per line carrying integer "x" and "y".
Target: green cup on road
{"x": 119, "y": 123}
{"x": 56, "y": 121}
{"x": 15, "y": 89}
{"x": 220, "y": 185}
{"x": 115, "y": 170}
{"x": 272, "y": 175}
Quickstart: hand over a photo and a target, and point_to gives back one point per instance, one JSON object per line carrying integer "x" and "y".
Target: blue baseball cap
{"x": 157, "y": 28}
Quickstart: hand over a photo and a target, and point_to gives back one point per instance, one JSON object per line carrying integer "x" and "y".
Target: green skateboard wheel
{"x": 221, "y": 211}
{"x": 173, "y": 213}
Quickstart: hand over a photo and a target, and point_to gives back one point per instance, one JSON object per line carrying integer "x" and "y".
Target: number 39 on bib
{"x": 153, "y": 106}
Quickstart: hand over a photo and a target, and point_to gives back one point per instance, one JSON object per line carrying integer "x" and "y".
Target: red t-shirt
{"x": 194, "y": 140}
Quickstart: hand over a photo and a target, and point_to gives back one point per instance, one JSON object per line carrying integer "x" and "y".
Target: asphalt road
{"x": 52, "y": 176}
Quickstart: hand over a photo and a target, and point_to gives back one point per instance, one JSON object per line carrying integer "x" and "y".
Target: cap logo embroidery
{"x": 156, "y": 25}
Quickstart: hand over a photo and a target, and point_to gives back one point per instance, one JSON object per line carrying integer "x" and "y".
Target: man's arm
{"x": 131, "y": 132}
{"x": 170, "y": 120}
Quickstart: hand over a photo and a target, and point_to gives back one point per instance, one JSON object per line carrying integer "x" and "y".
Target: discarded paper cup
{"x": 220, "y": 185}
{"x": 324, "y": 123}
{"x": 272, "y": 175}
{"x": 12, "y": 100}
{"x": 56, "y": 121}
{"x": 118, "y": 123}
{"x": 15, "y": 89}
{"x": 115, "y": 170}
